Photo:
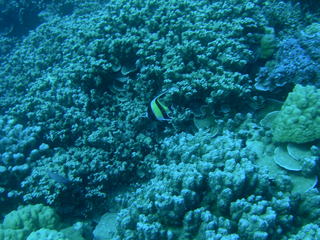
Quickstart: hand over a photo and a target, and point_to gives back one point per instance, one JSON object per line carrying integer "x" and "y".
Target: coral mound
{"x": 299, "y": 119}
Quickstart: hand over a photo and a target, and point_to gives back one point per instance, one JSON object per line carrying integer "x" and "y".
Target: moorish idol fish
{"x": 158, "y": 111}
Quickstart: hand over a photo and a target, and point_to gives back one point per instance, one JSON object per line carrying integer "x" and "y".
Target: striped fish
{"x": 158, "y": 111}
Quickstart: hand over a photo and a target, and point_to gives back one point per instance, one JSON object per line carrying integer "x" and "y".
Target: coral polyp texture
{"x": 21, "y": 222}
{"x": 77, "y": 78}
{"x": 212, "y": 188}
{"x": 299, "y": 118}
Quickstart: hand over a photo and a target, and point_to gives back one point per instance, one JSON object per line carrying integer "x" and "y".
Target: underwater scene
{"x": 159, "y": 120}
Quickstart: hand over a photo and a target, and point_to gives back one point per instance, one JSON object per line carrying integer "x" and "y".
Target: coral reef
{"x": 284, "y": 16}
{"x": 87, "y": 176}
{"x": 293, "y": 65}
{"x": 75, "y": 87}
{"x": 85, "y": 83}
{"x": 217, "y": 192}
{"x": 217, "y": 188}
{"x": 18, "y": 146}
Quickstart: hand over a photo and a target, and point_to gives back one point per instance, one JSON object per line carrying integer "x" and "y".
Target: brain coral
{"x": 31, "y": 217}
{"x": 299, "y": 118}
{"x": 19, "y": 223}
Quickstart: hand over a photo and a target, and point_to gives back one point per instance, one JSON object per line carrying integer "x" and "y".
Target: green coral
{"x": 299, "y": 118}
{"x": 267, "y": 44}
{"x": 312, "y": 29}
{"x": 19, "y": 223}
{"x": 13, "y": 234}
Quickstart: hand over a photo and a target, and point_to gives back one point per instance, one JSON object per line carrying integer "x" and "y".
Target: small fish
{"x": 158, "y": 111}
{"x": 59, "y": 178}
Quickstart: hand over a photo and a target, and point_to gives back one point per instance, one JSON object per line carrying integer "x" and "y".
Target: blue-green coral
{"x": 211, "y": 188}
{"x": 87, "y": 78}
{"x": 74, "y": 131}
